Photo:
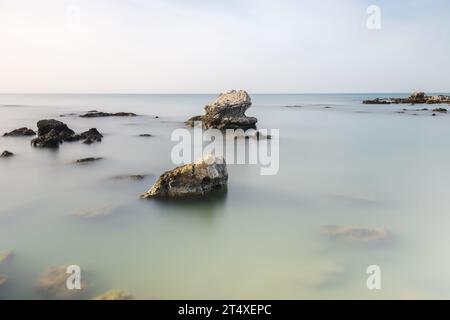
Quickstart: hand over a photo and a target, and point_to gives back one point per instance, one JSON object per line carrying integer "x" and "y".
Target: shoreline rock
{"x": 6, "y": 154}
{"x": 227, "y": 111}
{"x": 414, "y": 98}
{"x": 21, "y": 132}
{"x": 99, "y": 114}
{"x": 197, "y": 179}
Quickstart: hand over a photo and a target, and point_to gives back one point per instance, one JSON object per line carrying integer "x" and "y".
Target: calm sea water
{"x": 348, "y": 165}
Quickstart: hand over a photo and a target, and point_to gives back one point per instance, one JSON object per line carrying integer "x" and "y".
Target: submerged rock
{"x": 132, "y": 177}
{"x": 192, "y": 180}
{"x": 53, "y": 284}
{"x": 21, "y": 132}
{"x": 354, "y": 234}
{"x": 414, "y": 98}
{"x": 98, "y": 114}
{"x": 5, "y": 256}
{"x": 92, "y": 213}
{"x": 88, "y": 160}
{"x": 6, "y": 154}
{"x": 227, "y": 111}
{"x": 114, "y": 295}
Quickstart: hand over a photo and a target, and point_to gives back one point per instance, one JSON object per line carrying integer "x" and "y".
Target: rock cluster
{"x": 21, "y": 132}
{"x": 192, "y": 180}
{"x": 52, "y": 133}
{"x": 227, "y": 111}
{"x": 415, "y": 98}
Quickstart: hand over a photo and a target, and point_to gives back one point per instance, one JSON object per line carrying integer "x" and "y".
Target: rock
{"x": 92, "y": 135}
{"x": 6, "y": 154}
{"x": 5, "y": 256}
{"x": 50, "y": 140}
{"x": 353, "y": 234}
{"x": 98, "y": 114}
{"x": 51, "y": 133}
{"x": 293, "y": 106}
{"x": 52, "y": 283}
{"x": 145, "y": 135}
{"x": 442, "y": 110}
{"x": 132, "y": 177}
{"x": 414, "y": 98}
{"x": 227, "y": 111}
{"x": 192, "y": 180}
{"x": 45, "y": 126}
{"x": 88, "y": 160}
{"x": 92, "y": 213}
{"x": 377, "y": 101}
{"x": 21, "y": 132}
{"x": 114, "y": 295}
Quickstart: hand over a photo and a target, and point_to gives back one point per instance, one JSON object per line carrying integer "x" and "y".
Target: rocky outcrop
{"x": 98, "y": 114}
{"x": 6, "y": 154}
{"x": 52, "y": 133}
{"x": 414, "y": 98}
{"x": 52, "y": 284}
{"x": 227, "y": 111}
{"x": 354, "y": 234}
{"x": 21, "y": 132}
{"x": 192, "y": 180}
{"x": 114, "y": 295}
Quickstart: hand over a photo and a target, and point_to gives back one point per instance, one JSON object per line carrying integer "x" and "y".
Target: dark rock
{"x": 132, "y": 177}
{"x": 98, "y": 114}
{"x": 145, "y": 135}
{"x": 414, "y": 98}
{"x": 91, "y": 135}
{"x": 227, "y": 111}
{"x": 192, "y": 180}
{"x": 45, "y": 126}
{"x": 50, "y": 140}
{"x": 88, "y": 160}
{"x": 441, "y": 110}
{"x": 377, "y": 101}
{"x": 6, "y": 154}
{"x": 21, "y": 132}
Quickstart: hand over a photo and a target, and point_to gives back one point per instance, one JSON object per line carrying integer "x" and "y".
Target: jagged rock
{"x": 192, "y": 180}
{"x": 354, "y": 234}
{"x": 45, "y": 126}
{"x": 415, "y": 98}
{"x": 6, "y": 154}
{"x": 53, "y": 284}
{"x": 98, "y": 114}
{"x": 88, "y": 160}
{"x": 227, "y": 111}
{"x": 21, "y": 132}
{"x": 114, "y": 295}
{"x": 92, "y": 135}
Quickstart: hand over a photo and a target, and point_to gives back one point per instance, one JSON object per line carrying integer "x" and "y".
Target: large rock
{"x": 21, "y": 132}
{"x": 192, "y": 180}
{"x": 227, "y": 111}
{"x": 45, "y": 126}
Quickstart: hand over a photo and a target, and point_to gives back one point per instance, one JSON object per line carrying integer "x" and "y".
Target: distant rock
{"x": 114, "y": 295}
{"x": 21, "y": 132}
{"x": 6, "y": 154}
{"x": 88, "y": 160}
{"x": 98, "y": 114}
{"x": 293, "y": 106}
{"x": 441, "y": 110}
{"x": 145, "y": 135}
{"x": 227, "y": 111}
{"x": 91, "y": 136}
{"x": 192, "y": 180}
{"x": 414, "y": 98}
{"x": 52, "y": 284}
{"x": 354, "y": 234}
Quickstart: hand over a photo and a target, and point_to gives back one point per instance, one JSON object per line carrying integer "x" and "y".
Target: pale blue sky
{"x": 201, "y": 46}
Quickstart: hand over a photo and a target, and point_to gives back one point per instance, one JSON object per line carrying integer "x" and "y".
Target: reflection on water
{"x": 349, "y": 165}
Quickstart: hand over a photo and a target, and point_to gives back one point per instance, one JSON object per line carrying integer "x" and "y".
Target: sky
{"x": 209, "y": 46}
